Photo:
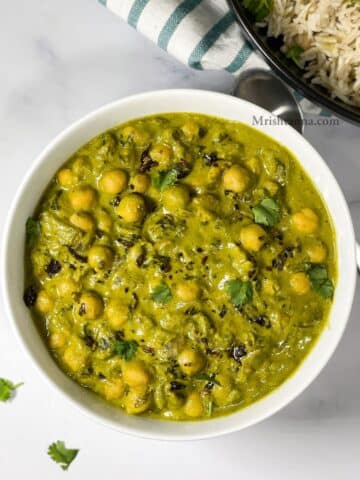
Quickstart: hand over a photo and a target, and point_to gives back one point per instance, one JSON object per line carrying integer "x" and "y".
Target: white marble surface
{"x": 59, "y": 60}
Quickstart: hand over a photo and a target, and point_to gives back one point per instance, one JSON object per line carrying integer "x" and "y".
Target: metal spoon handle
{"x": 265, "y": 89}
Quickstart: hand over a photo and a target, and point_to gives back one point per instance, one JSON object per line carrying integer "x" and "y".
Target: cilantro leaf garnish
{"x": 320, "y": 280}
{"x": 239, "y": 292}
{"x": 62, "y": 455}
{"x": 161, "y": 293}
{"x": 294, "y": 53}
{"x": 7, "y": 389}
{"x": 166, "y": 179}
{"x": 207, "y": 377}
{"x": 125, "y": 348}
{"x": 267, "y": 213}
{"x": 259, "y": 8}
{"x": 32, "y": 231}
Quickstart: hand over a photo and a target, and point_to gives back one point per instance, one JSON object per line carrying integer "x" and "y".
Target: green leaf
{"x": 6, "y": 389}
{"x": 125, "y": 349}
{"x": 267, "y": 213}
{"x": 166, "y": 179}
{"x": 32, "y": 231}
{"x": 259, "y": 8}
{"x": 239, "y": 292}
{"x": 294, "y": 54}
{"x": 161, "y": 293}
{"x": 320, "y": 280}
{"x": 62, "y": 455}
{"x": 207, "y": 377}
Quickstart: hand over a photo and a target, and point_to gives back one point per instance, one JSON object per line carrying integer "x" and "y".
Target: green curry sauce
{"x": 180, "y": 266}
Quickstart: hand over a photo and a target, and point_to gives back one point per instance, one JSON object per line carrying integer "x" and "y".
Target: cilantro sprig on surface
{"x": 125, "y": 348}
{"x": 62, "y": 455}
{"x": 259, "y": 8}
{"x": 267, "y": 213}
{"x": 161, "y": 293}
{"x": 320, "y": 280}
{"x": 239, "y": 292}
{"x": 7, "y": 389}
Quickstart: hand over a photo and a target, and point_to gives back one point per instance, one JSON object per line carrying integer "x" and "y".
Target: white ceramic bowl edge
{"x": 67, "y": 143}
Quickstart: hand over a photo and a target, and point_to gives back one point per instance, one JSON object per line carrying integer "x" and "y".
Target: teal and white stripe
{"x": 200, "y": 33}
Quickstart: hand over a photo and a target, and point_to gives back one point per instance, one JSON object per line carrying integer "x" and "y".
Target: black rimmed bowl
{"x": 287, "y": 70}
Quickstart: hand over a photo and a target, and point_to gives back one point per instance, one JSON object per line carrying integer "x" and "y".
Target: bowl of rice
{"x": 313, "y": 45}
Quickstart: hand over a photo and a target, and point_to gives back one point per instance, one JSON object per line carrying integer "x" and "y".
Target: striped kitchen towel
{"x": 200, "y": 33}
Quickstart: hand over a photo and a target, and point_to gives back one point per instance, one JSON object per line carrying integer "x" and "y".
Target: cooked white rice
{"x": 329, "y": 33}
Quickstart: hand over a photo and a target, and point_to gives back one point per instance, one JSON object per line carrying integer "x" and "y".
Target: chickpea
{"x": 117, "y": 314}
{"x": 236, "y": 179}
{"x": 91, "y": 306}
{"x": 136, "y": 401}
{"x": 100, "y": 257}
{"x": 140, "y": 183}
{"x": 105, "y": 222}
{"x": 134, "y": 253}
{"x": 135, "y": 374}
{"x": 75, "y": 358}
{"x": 190, "y": 129}
{"x": 188, "y": 291}
{"x": 113, "y": 389}
{"x": 113, "y": 181}
{"x": 58, "y": 340}
{"x": 176, "y": 197}
{"x": 162, "y": 154}
{"x": 191, "y": 361}
{"x": 44, "y": 302}
{"x": 305, "y": 221}
{"x": 317, "y": 252}
{"x": 83, "y": 198}
{"x": 129, "y": 132}
{"x": 66, "y": 288}
{"x": 83, "y": 221}
{"x": 135, "y": 135}
{"x": 252, "y": 237}
{"x": 193, "y": 406}
{"x": 300, "y": 283}
{"x": 66, "y": 177}
{"x": 131, "y": 208}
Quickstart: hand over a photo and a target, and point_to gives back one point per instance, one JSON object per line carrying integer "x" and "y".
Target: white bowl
{"x": 114, "y": 114}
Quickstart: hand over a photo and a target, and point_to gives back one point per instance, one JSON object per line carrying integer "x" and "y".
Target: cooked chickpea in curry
{"x": 180, "y": 266}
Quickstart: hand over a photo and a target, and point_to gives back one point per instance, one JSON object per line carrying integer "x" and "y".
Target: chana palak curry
{"x": 180, "y": 266}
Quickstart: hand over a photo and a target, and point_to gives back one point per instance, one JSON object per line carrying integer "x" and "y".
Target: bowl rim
{"x": 297, "y": 83}
{"x": 211, "y": 430}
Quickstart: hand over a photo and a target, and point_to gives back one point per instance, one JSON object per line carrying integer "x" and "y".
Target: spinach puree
{"x": 180, "y": 266}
